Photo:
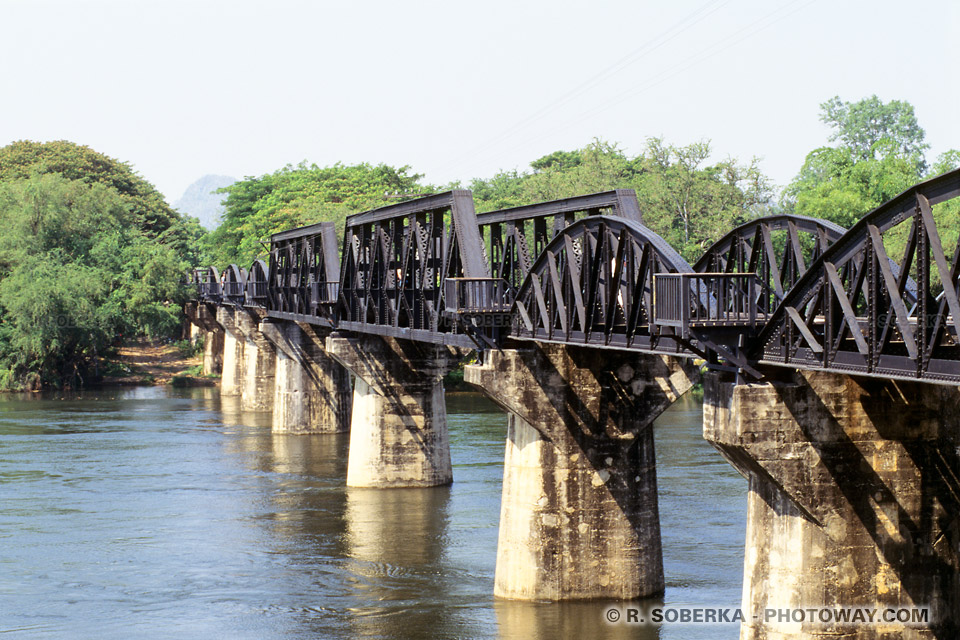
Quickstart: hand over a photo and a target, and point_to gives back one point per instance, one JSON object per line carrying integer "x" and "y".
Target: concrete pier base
{"x": 231, "y": 378}
{"x": 398, "y": 427}
{"x": 259, "y": 364}
{"x": 311, "y": 390}
{"x": 579, "y": 517}
{"x": 854, "y": 502}
{"x": 213, "y": 352}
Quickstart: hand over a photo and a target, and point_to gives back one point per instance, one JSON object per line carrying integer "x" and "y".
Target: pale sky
{"x": 459, "y": 90}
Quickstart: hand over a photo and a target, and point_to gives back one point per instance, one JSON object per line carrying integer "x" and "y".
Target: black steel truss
{"x": 860, "y": 310}
{"x": 775, "y": 248}
{"x": 304, "y": 274}
{"x": 395, "y": 264}
{"x": 784, "y": 290}
{"x": 594, "y": 285}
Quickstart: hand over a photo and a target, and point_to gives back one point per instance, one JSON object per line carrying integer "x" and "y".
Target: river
{"x": 153, "y": 512}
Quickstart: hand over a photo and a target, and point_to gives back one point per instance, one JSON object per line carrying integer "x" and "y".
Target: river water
{"x": 165, "y": 513}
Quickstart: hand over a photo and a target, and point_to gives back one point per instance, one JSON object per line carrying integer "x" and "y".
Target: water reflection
{"x": 569, "y": 621}
{"x": 395, "y": 550}
{"x": 153, "y": 512}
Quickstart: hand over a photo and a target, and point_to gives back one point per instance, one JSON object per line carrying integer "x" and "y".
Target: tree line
{"x": 92, "y": 253}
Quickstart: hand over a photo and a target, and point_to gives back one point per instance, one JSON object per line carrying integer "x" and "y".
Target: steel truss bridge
{"x": 879, "y": 299}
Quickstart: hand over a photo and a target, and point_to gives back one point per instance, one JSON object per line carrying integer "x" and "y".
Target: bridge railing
{"x": 234, "y": 290}
{"x": 702, "y": 300}
{"x": 324, "y": 292}
{"x": 257, "y": 293}
{"x": 207, "y": 284}
{"x": 478, "y": 295}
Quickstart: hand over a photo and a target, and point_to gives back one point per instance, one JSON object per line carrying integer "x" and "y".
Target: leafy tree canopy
{"x": 76, "y": 273}
{"x": 682, "y": 197}
{"x": 872, "y": 129}
{"x": 150, "y": 211}
{"x": 880, "y": 153}
{"x": 256, "y": 207}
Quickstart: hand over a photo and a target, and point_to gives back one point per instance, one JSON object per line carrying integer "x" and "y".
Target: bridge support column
{"x": 854, "y": 502}
{"x": 259, "y": 364}
{"x": 231, "y": 379}
{"x": 578, "y": 517}
{"x": 195, "y": 333}
{"x": 312, "y": 391}
{"x": 213, "y": 352}
{"x": 398, "y": 429}
{"x": 212, "y": 332}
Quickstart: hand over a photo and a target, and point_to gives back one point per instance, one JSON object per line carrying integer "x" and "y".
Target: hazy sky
{"x": 459, "y": 89}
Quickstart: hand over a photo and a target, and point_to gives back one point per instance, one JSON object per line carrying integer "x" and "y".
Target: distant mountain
{"x": 200, "y": 201}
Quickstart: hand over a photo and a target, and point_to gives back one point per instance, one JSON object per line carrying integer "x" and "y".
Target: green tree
{"x": 880, "y": 153}
{"x": 256, "y": 207}
{"x": 692, "y": 205}
{"x": 76, "y": 272}
{"x": 837, "y": 185}
{"x": 872, "y": 129}
{"x": 558, "y": 160}
{"x": 150, "y": 211}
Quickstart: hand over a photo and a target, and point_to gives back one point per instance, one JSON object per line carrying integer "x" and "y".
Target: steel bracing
{"x": 788, "y": 291}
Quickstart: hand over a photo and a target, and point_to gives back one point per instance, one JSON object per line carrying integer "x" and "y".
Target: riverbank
{"x": 155, "y": 362}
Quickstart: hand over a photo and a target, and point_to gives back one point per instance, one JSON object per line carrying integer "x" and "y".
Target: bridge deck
{"x": 784, "y": 290}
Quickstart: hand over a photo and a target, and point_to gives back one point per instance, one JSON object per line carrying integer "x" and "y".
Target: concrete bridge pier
{"x": 213, "y": 352}
{"x": 212, "y": 332}
{"x": 398, "y": 428}
{"x": 259, "y": 364}
{"x": 579, "y": 517}
{"x": 195, "y": 333}
{"x": 854, "y": 501}
{"x": 311, "y": 390}
{"x": 231, "y": 378}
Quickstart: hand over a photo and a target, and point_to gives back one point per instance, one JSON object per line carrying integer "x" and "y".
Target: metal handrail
{"x": 478, "y": 295}
{"x": 686, "y": 300}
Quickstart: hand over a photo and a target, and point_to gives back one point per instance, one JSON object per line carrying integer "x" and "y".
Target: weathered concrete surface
{"x": 311, "y": 390}
{"x": 259, "y": 364}
{"x": 398, "y": 427}
{"x": 579, "y": 517}
{"x": 213, "y": 352}
{"x": 853, "y": 502}
{"x": 206, "y": 318}
{"x": 231, "y": 378}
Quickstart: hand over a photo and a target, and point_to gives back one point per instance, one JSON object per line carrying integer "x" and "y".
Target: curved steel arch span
{"x": 777, "y": 249}
{"x": 852, "y": 311}
{"x": 257, "y": 280}
{"x": 594, "y": 285}
{"x": 234, "y": 285}
{"x": 207, "y": 281}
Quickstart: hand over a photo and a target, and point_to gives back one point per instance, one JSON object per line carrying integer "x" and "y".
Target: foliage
{"x": 24, "y": 158}
{"x": 296, "y": 196}
{"x": 692, "y": 205}
{"x": 871, "y": 129}
{"x": 836, "y": 185}
{"x": 880, "y": 154}
{"x": 189, "y": 348}
{"x": 76, "y": 272}
{"x": 687, "y": 201}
